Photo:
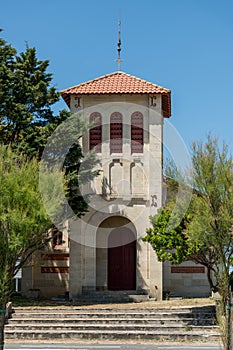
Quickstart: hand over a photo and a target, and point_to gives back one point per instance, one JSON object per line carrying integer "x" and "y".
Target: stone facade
{"x": 130, "y": 195}
{"x": 103, "y": 250}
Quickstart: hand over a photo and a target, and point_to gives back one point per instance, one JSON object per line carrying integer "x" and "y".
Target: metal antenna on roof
{"x": 119, "y": 60}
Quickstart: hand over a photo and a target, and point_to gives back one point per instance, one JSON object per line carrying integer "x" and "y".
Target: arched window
{"x": 116, "y": 133}
{"x": 137, "y": 132}
{"x": 95, "y": 134}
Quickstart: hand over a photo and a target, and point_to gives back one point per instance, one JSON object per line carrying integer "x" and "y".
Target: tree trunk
{"x": 228, "y": 344}
{"x": 2, "y": 324}
{"x": 210, "y": 279}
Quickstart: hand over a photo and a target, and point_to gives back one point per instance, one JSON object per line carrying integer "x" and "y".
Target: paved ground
{"x": 104, "y": 346}
{"x": 147, "y": 304}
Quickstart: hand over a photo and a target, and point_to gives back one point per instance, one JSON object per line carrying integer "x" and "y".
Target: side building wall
{"x": 187, "y": 280}
{"x": 47, "y": 273}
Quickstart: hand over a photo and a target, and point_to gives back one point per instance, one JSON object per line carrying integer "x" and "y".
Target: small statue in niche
{"x": 153, "y": 200}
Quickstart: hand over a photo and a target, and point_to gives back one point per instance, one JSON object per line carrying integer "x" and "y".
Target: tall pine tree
{"x": 27, "y": 120}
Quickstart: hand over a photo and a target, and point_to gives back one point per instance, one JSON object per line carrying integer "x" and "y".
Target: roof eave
{"x": 166, "y": 98}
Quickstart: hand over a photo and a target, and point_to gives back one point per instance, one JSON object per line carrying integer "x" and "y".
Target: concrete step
{"x": 117, "y": 320}
{"x": 106, "y": 313}
{"x": 114, "y": 297}
{"x": 128, "y": 308}
{"x": 188, "y": 312}
{"x": 95, "y": 315}
{"x": 188, "y": 323}
{"x": 113, "y": 326}
{"x": 109, "y": 335}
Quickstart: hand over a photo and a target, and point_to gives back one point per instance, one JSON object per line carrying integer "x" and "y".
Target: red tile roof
{"x": 119, "y": 83}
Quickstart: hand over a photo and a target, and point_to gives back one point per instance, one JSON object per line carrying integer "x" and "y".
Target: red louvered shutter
{"x": 116, "y": 133}
{"x": 137, "y": 132}
{"x": 95, "y": 134}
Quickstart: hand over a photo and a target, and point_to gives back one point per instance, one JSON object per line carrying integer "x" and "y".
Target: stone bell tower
{"x": 106, "y": 251}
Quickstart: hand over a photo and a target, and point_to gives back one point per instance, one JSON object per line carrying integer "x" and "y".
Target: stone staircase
{"x": 116, "y": 297}
{"x": 112, "y": 323}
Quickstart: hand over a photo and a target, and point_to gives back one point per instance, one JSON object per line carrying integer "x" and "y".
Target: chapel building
{"x": 103, "y": 250}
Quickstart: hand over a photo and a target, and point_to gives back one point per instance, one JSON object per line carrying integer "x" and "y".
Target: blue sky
{"x": 184, "y": 45}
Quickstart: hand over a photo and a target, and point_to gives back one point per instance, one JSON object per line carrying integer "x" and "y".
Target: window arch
{"x": 137, "y": 132}
{"x": 116, "y": 132}
{"x": 95, "y": 133}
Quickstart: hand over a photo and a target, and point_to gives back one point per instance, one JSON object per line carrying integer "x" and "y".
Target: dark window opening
{"x": 57, "y": 238}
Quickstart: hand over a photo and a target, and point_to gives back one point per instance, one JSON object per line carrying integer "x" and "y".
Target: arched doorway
{"x": 121, "y": 259}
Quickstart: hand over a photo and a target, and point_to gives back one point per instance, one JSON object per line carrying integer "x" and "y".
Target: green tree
{"x": 170, "y": 241}
{"x": 26, "y": 94}
{"x": 207, "y": 225}
{"x": 27, "y": 122}
{"x": 27, "y": 119}
{"x": 24, "y": 222}
{"x": 212, "y": 216}
{"x": 63, "y": 149}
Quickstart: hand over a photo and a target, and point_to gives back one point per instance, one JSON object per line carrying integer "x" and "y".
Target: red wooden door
{"x": 121, "y": 260}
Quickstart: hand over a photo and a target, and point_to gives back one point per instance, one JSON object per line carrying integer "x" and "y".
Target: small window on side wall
{"x": 137, "y": 132}
{"x": 57, "y": 238}
{"x": 95, "y": 133}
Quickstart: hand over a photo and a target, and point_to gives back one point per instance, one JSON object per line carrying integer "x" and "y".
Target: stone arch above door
{"x": 110, "y": 223}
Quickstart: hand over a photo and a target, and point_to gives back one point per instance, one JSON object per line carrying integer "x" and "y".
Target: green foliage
{"x": 213, "y": 220}
{"x": 25, "y": 93}
{"x": 167, "y": 236}
{"x": 35, "y": 136}
{"x": 79, "y": 171}
{"x": 23, "y": 220}
{"x": 204, "y": 233}
{"x": 26, "y": 124}
{"x": 27, "y": 120}
{"x": 212, "y": 205}
{"x": 63, "y": 150}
